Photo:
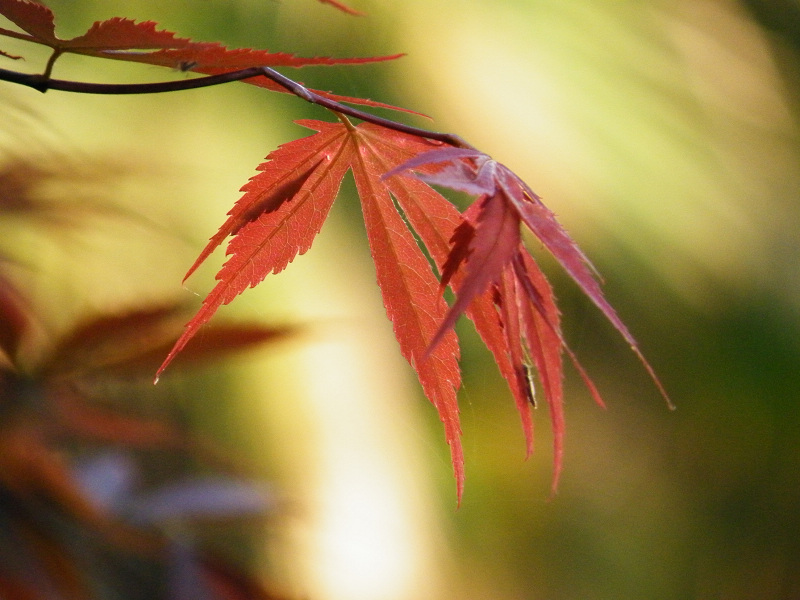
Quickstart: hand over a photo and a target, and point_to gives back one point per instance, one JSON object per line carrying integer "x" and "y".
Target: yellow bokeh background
{"x": 663, "y": 133}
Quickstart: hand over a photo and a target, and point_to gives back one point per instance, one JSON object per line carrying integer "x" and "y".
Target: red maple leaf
{"x": 283, "y": 209}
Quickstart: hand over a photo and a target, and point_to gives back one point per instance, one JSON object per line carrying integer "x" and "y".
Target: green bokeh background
{"x": 663, "y": 133}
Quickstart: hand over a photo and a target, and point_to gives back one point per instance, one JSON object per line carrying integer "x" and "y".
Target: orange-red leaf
{"x": 494, "y": 241}
{"x": 126, "y": 39}
{"x": 266, "y": 193}
{"x": 265, "y": 242}
{"x": 283, "y": 209}
{"x": 213, "y": 58}
{"x": 119, "y": 35}
{"x": 539, "y": 321}
{"x": 435, "y": 220}
{"x": 134, "y": 343}
{"x": 112, "y": 35}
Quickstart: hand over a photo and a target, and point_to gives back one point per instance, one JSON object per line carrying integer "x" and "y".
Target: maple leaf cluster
{"x": 478, "y": 253}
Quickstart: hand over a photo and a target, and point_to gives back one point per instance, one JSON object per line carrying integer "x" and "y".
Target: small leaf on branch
{"x": 33, "y": 18}
{"x": 141, "y": 42}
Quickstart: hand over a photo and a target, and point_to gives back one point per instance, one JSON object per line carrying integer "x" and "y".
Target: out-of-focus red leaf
{"x": 76, "y": 417}
{"x": 111, "y": 340}
{"x": 343, "y": 7}
{"x": 18, "y": 588}
{"x": 26, "y": 190}
{"x": 35, "y": 472}
{"x": 134, "y": 343}
{"x": 216, "y": 342}
{"x": 228, "y": 584}
{"x": 15, "y": 320}
{"x": 45, "y": 568}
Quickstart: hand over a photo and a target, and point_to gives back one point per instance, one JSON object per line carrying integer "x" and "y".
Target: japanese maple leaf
{"x": 282, "y": 210}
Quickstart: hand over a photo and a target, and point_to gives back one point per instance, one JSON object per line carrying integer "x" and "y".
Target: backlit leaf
{"x": 265, "y": 242}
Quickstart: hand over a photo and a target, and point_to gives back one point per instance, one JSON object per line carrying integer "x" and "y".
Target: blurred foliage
{"x": 103, "y": 494}
{"x": 665, "y": 134}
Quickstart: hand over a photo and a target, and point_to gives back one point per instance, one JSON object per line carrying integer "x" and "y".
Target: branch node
{"x": 41, "y": 83}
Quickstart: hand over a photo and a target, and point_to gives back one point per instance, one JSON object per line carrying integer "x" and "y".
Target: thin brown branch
{"x": 44, "y": 83}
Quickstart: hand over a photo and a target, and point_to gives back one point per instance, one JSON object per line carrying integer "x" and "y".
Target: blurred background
{"x": 664, "y": 134}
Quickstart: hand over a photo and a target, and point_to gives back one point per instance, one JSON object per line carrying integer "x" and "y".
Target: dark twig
{"x": 43, "y": 83}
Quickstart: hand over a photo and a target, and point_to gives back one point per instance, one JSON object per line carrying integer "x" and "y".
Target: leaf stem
{"x": 51, "y": 62}
{"x": 43, "y": 83}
